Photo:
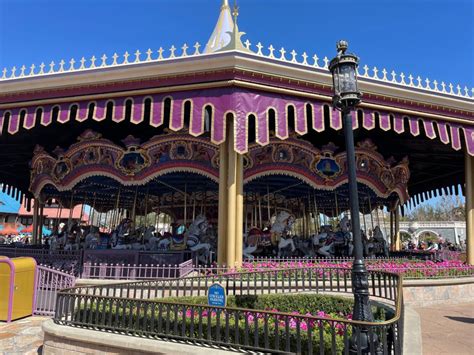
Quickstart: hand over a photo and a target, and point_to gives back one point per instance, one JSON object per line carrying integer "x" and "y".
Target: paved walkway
{"x": 21, "y": 337}
{"x": 447, "y": 329}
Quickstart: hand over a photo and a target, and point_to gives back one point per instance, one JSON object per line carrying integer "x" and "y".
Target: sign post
{"x": 216, "y": 296}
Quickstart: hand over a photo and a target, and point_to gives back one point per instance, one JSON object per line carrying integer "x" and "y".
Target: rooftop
{"x": 225, "y": 38}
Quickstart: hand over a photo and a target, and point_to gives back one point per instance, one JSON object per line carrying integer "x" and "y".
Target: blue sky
{"x": 432, "y": 39}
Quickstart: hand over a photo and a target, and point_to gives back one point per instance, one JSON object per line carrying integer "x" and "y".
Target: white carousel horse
{"x": 377, "y": 245}
{"x": 197, "y": 229}
{"x": 323, "y": 242}
{"x": 284, "y": 243}
{"x": 281, "y": 227}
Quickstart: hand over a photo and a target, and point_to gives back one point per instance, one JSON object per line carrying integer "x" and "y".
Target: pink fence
{"x": 49, "y": 282}
{"x": 135, "y": 272}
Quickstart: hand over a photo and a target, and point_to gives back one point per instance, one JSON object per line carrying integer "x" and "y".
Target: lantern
{"x": 344, "y": 75}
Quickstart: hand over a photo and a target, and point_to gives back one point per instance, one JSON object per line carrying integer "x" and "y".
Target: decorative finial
{"x": 196, "y": 48}
{"x": 184, "y": 48}
{"x": 235, "y": 13}
{"x": 61, "y": 65}
{"x": 341, "y": 47}
{"x": 149, "y": 52}
{"x": 104, "y": 60}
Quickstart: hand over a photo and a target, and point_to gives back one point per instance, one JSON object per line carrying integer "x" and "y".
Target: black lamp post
{"x": 346, "y": 97}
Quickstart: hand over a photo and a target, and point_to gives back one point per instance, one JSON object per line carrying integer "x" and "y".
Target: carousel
{"x": 294, "y": 195}
{"x": 229, "y": 153}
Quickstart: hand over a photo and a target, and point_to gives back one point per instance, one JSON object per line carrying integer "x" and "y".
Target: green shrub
{"x": 143, "y": 319}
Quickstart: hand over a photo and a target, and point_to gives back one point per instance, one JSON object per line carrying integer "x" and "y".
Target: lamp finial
{"x": 341, "y": 46}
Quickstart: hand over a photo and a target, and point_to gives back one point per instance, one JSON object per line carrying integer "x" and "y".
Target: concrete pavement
{"x": 447, "y": 329}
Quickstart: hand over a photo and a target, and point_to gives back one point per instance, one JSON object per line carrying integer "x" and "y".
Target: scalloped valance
{"x": 203, "y": 110}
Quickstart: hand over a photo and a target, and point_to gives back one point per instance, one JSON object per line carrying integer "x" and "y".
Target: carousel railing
{"x": 153, "y": 309}
{"x": 119, "y": 271}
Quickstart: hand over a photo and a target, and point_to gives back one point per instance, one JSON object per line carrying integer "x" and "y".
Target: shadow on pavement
{"x": 461, "y": 319}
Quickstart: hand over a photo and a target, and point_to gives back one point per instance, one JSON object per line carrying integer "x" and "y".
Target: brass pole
{"x": 371, "y": 217}
{"x": 71, "y": 208}
{"x": 185, "y": 217}
{"x": 41, "y": 222}
{"x": 35, "y": 220}
{"x": 469, "y": 171}
{"x": 268, "y": 203}
{"x": 134, "y": 208}
{"x": 316, "y": 213}
{"x": 146, "y": 206}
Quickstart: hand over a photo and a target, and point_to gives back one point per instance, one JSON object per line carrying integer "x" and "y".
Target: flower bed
{"x": 314, "y": 320}
{"x": 415, "y": 269}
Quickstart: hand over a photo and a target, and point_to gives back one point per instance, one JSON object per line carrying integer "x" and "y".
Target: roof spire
{"x": 221, "y": 37}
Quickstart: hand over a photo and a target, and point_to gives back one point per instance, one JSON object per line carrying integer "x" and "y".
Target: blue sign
{"x": 216, "y": 296}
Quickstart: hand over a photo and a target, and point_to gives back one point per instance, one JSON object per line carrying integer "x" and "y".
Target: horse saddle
{"x": 339, "y": 238}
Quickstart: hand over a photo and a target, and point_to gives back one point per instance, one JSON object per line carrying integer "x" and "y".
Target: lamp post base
{"x": 361, "y": 341}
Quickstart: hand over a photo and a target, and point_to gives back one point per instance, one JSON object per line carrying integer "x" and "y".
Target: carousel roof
{"x": 265, "y": 90}
{"x": 221, "y": 36}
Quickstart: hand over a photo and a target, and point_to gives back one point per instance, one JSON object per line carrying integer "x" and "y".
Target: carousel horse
{"x": 196, "y": 231}
{"x": 280, "y": 231}
{"x": 149, "y": 233}
{"x": 252, "y": 243}
{"x": 342, "y": 243}
{"x": 73, "y": 237}
{"x": 92, "y": 239}
{"x": 165, "y": 241}
{"x": 377, "y": 245}
{"x": 119, "y": 236}
{"x": 323, "y": 241}
{"x": 53, "y": 242}
{"x": 153, "y": 241}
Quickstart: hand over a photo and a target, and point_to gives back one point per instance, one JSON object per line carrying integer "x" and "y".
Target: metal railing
{"x": 49, "y": 282}
{"x": 104, "y": 271}
{"x": 142, "y": 309}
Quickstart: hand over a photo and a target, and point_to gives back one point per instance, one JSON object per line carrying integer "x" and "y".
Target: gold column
{"x": 469, "y": 172}
{"x": 222, "y": 218}
{"x": 391, "y": 230}
{"x": 397, "y": 244}
{"x": 231, "y": 196}
{"x": 239, "y": 209}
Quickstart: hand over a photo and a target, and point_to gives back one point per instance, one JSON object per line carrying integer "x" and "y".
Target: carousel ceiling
{"x": 147, "y": 167}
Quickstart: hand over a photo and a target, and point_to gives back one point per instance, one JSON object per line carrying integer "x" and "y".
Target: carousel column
{"x": 239, "y": 210}
{"x": 396, "y": 241}
{"x": 391, "y": 230}
{"x": 231, "y": 196}
{"x": 469, "y": 171}
{"x": 222, "y": 217}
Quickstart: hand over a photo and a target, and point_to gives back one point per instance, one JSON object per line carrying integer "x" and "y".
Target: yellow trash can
{"x": 17, "y": 287}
